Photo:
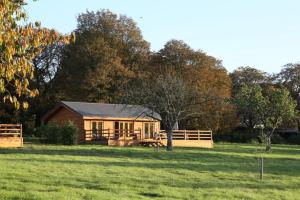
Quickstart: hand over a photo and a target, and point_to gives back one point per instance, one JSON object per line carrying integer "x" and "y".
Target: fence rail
{"x": 120, "y": 134}
{"x": 188, "y": 135}
{"x": 10, "y": 130}
{"x": 113, "y": 134}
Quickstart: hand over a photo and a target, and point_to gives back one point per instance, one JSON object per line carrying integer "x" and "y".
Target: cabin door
{"x": 123, "y": 129}
{"x": 97, "y": 129}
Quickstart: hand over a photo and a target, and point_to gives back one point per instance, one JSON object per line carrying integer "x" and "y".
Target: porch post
{"x": 198, "y": 134}
{"x": 184, "y": 134}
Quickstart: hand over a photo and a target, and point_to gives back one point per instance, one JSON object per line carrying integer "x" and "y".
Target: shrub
{"x": 278, "y": 139}
{"x": 53, "y": 133}
{"x": 69, "y": 133}
{"x": 294, "y": 139}
{"x": 49, "y": 133}
{"x": 238, "y": 136}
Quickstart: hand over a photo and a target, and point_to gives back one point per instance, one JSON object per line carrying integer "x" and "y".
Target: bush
{"x": 53, "y": 133}
{"x": 294, "y": 139}
{"x": 238, "y": 136}
{"x": 278, "y": 139}
{"x": 69, "y": 133}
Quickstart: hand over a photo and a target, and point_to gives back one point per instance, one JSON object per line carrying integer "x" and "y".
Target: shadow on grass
{"x": 227, "y": 158}
{"x": 216, "y": 171}
{"x": 201, "y": 164}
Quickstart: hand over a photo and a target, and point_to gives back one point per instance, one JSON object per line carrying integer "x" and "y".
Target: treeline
{"x": 110, "y": 54}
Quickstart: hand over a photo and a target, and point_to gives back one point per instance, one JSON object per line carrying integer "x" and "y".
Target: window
{"x": 122, "y": 128}
{"x": 149, "y": 130}
{"x": 97, "y": 128}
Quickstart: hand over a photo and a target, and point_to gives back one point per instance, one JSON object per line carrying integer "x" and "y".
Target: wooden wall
{"x": 6, "y": 142}
{"x": 63, "y": 115}
{"x": 109, "y": 124}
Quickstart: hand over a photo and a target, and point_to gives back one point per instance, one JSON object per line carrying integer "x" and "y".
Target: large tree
{"x": 249, "y": 101}
{"x": 279, "y": 107}
{"x": 247, "y": 76}
{"x": 108, "y": 52}
{"x": 269, "y": 108}
{"x": 19, "y": 45}
{"x": 205, "y": 74}
{"x": 289, "y": 77}
{"x": 167, "y": 94}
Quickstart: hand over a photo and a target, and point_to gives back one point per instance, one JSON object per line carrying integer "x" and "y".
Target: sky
{"x": 264, "y": 34}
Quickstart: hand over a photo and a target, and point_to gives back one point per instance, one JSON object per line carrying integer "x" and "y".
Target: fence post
{"x": 21, "y": 135}
{"x": 198, "y": 134}
{"x": 261, "y": 167}
{"x": 108, "y": 134}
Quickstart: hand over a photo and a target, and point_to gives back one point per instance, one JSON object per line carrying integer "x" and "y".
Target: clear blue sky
{"x": 260, "y": 33}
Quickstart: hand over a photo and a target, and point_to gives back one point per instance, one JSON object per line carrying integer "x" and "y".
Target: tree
{"x": 108, "y": 52}
{"x": 249, "y": 102}
{"x": 167, "y": 94}
{"x": 279, "y": 106}
{"x": 205, "y": 74}
{"x": 289, "y": 77}
{"x": 269, "y": 108}
{"x": 247, "y": 76}
{"x": 19, "y": 45}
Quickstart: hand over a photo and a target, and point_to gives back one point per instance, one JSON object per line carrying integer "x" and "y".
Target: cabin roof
{"x": 106, "y": 110}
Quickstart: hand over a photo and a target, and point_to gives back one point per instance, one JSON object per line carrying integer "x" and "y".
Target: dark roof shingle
{"x": 111, "y": 110}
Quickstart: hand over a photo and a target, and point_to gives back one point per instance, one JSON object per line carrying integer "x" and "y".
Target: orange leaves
{"x": 18, "y": 46}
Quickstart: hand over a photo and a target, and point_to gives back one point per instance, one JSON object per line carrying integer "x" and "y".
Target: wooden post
{"x": 21, "y": 135}
{"x": 261, "y": 167}
{"x": 108, "y": 134}
{"x": 198, "y": 134}
{"x": 184, "y": 134}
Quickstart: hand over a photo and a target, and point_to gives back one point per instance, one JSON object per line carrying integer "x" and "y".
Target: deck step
{"x": 151, "y": 143}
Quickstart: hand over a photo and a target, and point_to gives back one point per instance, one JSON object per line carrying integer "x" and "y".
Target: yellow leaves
{"x": 2, "y": 86}
{"x": 73, "y": 37}
{"x": 18, "y": 46}
{"x": 25, "y": 105}
{"x": 33, "y": 93}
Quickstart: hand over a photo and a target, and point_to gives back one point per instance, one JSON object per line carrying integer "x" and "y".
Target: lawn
{"x": 229, "y": 171}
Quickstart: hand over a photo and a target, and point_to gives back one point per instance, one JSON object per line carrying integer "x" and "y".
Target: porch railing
{"x": 113, "y": 134}
{"x": 10, "y": 130}
{"x": 187, "y": 135}
{"x": 120, "y": 134}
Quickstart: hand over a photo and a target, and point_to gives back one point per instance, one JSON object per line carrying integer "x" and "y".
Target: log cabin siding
{"x": 62, "y": 115}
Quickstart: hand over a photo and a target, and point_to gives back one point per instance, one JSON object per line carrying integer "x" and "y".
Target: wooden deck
{"x": 11, "y": 135}
{"x": 182, "y": 138}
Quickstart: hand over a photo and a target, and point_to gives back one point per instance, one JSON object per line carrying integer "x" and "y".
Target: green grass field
{"x": 229, "y": 171}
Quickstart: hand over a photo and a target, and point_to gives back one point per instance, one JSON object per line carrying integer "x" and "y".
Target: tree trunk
{"x": 268, "y": 144}
{"x": 170, "y": 140}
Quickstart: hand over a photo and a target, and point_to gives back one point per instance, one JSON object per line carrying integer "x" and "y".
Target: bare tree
{"x": 169, "y": 95}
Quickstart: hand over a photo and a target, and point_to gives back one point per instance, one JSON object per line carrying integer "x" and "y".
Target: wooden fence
{"x": 11, "y": 135}
{"x": 113, "y": 134}
{"x": 188, "y": 135}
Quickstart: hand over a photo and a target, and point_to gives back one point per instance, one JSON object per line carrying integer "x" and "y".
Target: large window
{"x": 122, "y": 128}
{"x": 97, "y": 128}
{"x": 149, "y": 130}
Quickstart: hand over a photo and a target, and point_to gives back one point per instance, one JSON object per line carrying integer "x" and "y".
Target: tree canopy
{"x": 19, "y": 45}
{"x": 109, "y": 51}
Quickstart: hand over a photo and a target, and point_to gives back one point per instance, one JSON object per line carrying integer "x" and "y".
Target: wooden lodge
{"x": 11, "y": 135}
{"x": 122, "y": 125}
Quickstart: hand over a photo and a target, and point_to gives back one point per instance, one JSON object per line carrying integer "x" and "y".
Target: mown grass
{"x": 229, "y": 171}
